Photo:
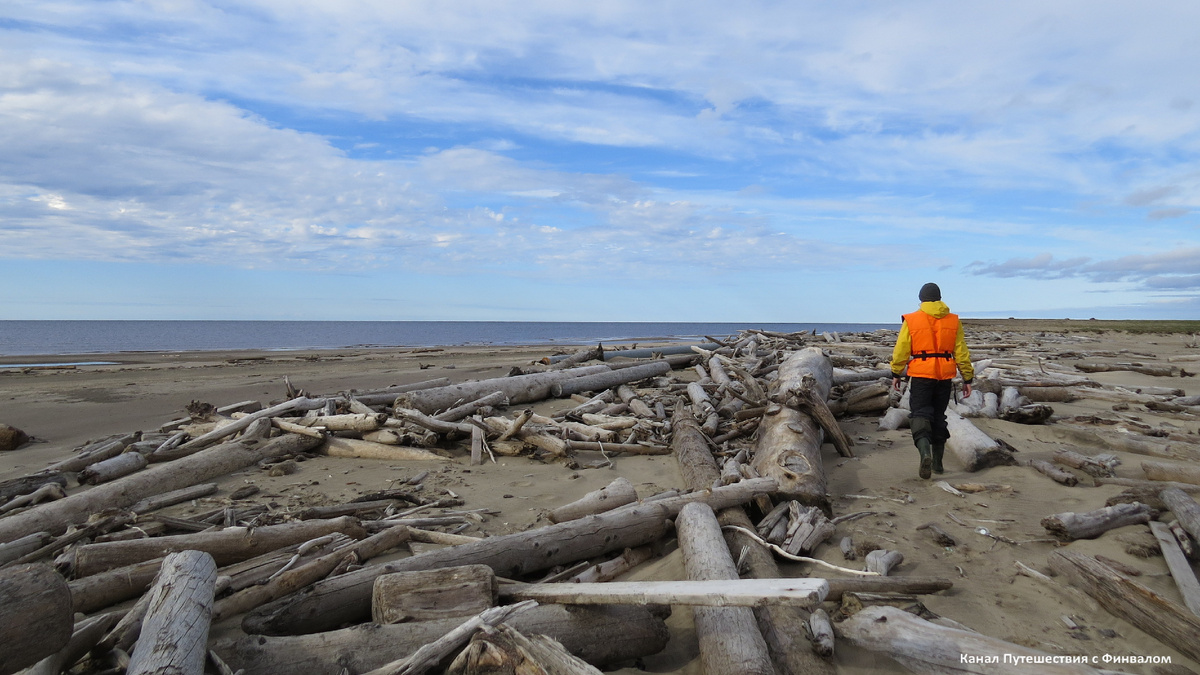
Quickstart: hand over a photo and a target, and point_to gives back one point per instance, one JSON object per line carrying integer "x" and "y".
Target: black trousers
{"x": 928, "y": 398}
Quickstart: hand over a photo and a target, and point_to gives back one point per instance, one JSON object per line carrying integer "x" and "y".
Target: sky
{"x": 608, "y": 161}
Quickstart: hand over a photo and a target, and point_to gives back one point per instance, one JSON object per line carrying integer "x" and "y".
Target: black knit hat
{"x": 930, "y": 292}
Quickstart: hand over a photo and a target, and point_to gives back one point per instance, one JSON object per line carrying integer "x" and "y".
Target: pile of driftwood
{"x": 96, "y": 579}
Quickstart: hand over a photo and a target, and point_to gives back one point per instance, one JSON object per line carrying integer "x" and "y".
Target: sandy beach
{"x": 64, "y": 408}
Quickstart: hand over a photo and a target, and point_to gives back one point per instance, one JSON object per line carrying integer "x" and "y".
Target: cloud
{"x": 1168, "y": 270}
{"x": 1043, "y": 266}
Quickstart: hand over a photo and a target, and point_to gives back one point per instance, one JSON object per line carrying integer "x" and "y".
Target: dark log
{"x": 1034, "y": 413}
{"x": 1122, "y": 597}
{"x": 174, "y": 634}
{"x": 497, "y": 650}
{"x": 35, "y": 615}
{"x": 426, "y": 595}
{"x": 730, "y": 641}
{"x": 227, "y": 546}
{"x": 15, "y": 487}
{"x": 607, "y": 380}
{"x": 55, "y": 517}
{"x": 813, "y": 404}
{"x": 346, "y": 599}
{"x": 601, "y": 636}
{"x": 11, "y": 438}
{"x": 1092, "y": 524}
{"x": 907, "y": 585}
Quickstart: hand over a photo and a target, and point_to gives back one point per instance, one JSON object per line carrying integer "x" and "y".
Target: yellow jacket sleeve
{"x": 902, "y": 351}
{"x": 962, "y": 356}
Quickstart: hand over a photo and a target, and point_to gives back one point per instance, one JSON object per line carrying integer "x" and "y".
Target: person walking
{"x": 932, "y": 347}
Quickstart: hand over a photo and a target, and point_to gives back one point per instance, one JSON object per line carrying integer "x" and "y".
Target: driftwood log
{"x": 789, "y": 441}
{"x": 617, "y": 493}
{"x": 346, "y": 598}
{"x": 1180, "y": 568}
{"x": 427, "y": 595}
{"x": 23, "y": 485}
{"x": 1186, "y": 511}
{"x": 1182, "y": 473}
{"x": 805, "y": 592}
{"x": 1092, "y": 524}
{"x": 35, "y": 615}
{"x": 519, "y": 389}
{"x": 729, "y": 638}
{"x": 1054, "y": 473}
{"x": 55, "y": 517}
{"x": 973, "y": 448}
{"x": 1157, "y": 616}
{"x": 174, "y": 634}
{"x": 501, "y": 649}
{"x": 112, "y": 469}
{"x": 602, "y": 380}
{"x": 600, "y": 635}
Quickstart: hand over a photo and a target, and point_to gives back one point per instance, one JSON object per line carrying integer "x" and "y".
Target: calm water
{"x": 99, "y": 337}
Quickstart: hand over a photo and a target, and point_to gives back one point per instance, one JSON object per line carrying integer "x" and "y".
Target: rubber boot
{"x": 921, "y": 429}
{"x": 939, "y": 449}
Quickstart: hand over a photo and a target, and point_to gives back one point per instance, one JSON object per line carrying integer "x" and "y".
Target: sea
{"x": 33, "y": 338}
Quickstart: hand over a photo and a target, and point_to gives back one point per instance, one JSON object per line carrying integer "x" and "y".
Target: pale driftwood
{"x": 813, "y": 403}
{"x": 173, "y": 497}
{"x": 925, "y": 647}
{"x": 706, "y": 593}
{"x": 590, "y": 354}
{"x": 822, "y": 632}
{"x": 24, "y": 546}
{"x": 117, "y": 585}
{"x": 431, "y": 423}
{"x": 1095, "y": 523}
{"x": 347, "y": 422}
{"x": 973, "y": 448}
{"x": 386, "y": 396}
{"x": 1187, "y": 488}
{"x": 430, "y": 655}
{"x": 730, "y": 641}
{"x": 1186, "y": 511}
{"x": 113, "y": 468}
{"x": 636, "y": 405}
{"x": 617, "y": 493}
{"x": 492, "y": 400}
{"x": 425, "y": 595}
{"x": 882, "y": 561}
{"x": 354, "y": 448}
{"x": 611, "y": 569}
{"x": 55, "y": 517}
{"x": 93, "y": 454}
{"x": 35, "y": 615}
{"x": 607, "y": 380}
{"x": 627, "y": 448}
{"x": 308, "y": 573}
{"x": 519, "y": 389}
{"x": 602, "y": 636}
{"x": 1126, "y": 442}
{"x": 789, "y": 441}
{"x": 502, "y": 648}
{"x": 1084, "y": 463}
{"x": 1157, "y": 616}
{"x": 1054, "y": 473}
{"x": 347, "y": 598}
{"x": 1180, "y": 568}
{"x": 296, "y": 404}
{"x": 1182, "y": 473}
{"x": 226, "y": 546}
{"x": 15, "y": 487}
{"x": 174, "y": 635}
{"x": 477, "y": 443}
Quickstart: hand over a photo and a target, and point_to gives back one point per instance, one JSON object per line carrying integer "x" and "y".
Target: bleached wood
{"x": 1180, "y": 568}
{"x": 519, "y": 389}
{"x": 1183, "y": 473}
{"x": 1186, "y": 511}
{"x": 617, "y": 493}
{"x": 1095, "y": 523}
{"x": 354, "y": 448}
{"x": 296, "y": 404}
{"x": 710, "y": 593}
{"x": 174, "y": 635}
{"x": 424, "y": 595}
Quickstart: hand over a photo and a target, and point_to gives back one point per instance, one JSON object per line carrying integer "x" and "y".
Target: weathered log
{"x": 617, "y": 493}
{"x": 85, "y": 636}
{"x": 730, "y": 641}
{"x": 426, "y": 595}
{"x": 494, "y": 399}
{"x": 925, "y": 647}
{"x": 96, "y": 452}
{"x": 117, "y": 585}
{"x": 813, "y": 404}
{"x": 974, "y": 448}
{"x": 55, "y": 517}
{"x": 35, "y": 615}
{"x": 44, "y": 493}
{"x": 354, "y": 448}
{"x": 704, "y": 593}
{"x": 296, "y": 404}
{"x": 601, "y": 636}
{"x": 174, "y": 635}
{"x": 627, "y": 448}
{"x": 1182, "y": 473}
{"x": 789, "y": 441}
{"x": 1178, "y": 565}
{"x": 636, "y": 405}
{"x": 1047, "y": 394}
{"x": 1034, "y": 413}
{"x": 501, "y": 649}
{"x": 607, "y": 380}
{"x": 822, "y": 632}
{"x": 21, "y": 547}
{"x": 1092, "y": 524}
{"x": 1186, "y": 511}
{"x": 15, "y": 487}
{"x": 348, "y": 422}
{"x": 1126, "y": 442}
{"x": 1157, "y": 616}
{"x": 113, "y": 468}
{"x": 1154, "y": 371}
{"x": 590, "y": 354}
{"x": 519, "y": 389}
{"x": 882, "y": 561}
{"x": 1149, "y": 484}
{"x": 226, "y": 546}
{"x": 1056, "y": 474}
{"x": 388, "y": 395}
{"x": 346, "y": 598}
{"x": 611, "y": 569}
{"x": 1089, "y": 465}
{"x": 173, "y": 497}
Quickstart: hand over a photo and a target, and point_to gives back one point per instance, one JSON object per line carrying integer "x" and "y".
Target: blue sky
{"x": 698, "y": 161}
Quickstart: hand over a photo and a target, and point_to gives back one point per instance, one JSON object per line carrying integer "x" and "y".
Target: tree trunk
{"x": 617, "y": 493}
{"x": 346, "y": 598}
{"x": 607, "y": 380}
{"x": 600, "y": 635}
{"x": 924, "y": 647}
{"x": 519, "y": 389}
{"x": 1186, "y": 511}
{"x": 427, "y": 595}
{"x": 174, "y": 635}
{"x": 1174, "y": 472}
{"x": 1092, "y": 524}
{"x": 35, "y": 615}
{"x": 114, "y": 468}
{"x": 973, "y": 448}
{"x": 388, "y": 395}
{"x": 55, "y": 517}
{"x": 730, "y": 641}
{"x": 226, "y": 546}
{"x": 789, "y": 442}
{"x": 1170, "y": 623}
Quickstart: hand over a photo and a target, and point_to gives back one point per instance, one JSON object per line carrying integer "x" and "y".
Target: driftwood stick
{"x": 617, "y": 493}
{"x": 1095, "y": 523}
{"x": 1054, "y": 473}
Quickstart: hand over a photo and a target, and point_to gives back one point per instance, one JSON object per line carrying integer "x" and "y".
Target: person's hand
{"x": 966, "y": 389}
{"x": 895, "y": 383}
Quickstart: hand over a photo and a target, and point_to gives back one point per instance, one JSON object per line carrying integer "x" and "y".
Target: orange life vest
{"x": 932, "y": 345}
